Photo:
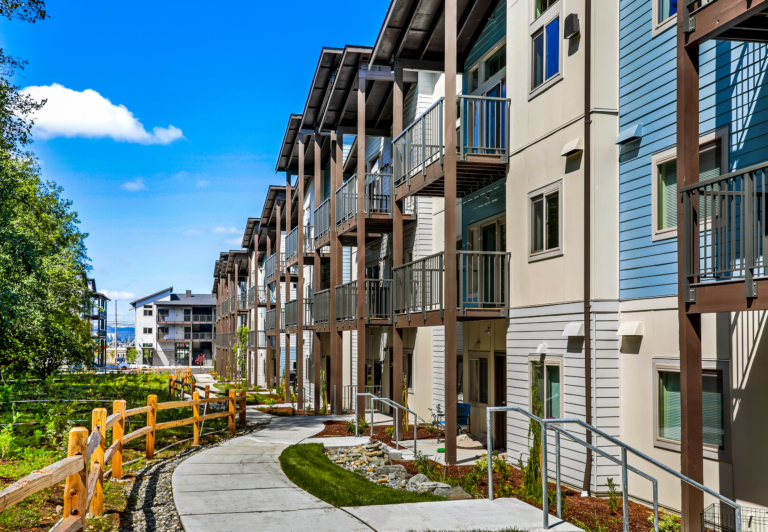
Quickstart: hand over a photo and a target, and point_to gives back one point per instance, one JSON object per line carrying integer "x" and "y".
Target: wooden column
{"x": 196, "y": 415}
{"x": 278, "y": 294}
{"x": 287, "y": 362}
{"x": 449, "y": 168}
{"x": 149, "y": 449}
{"x": 237, "y": 308}
{"x": 397, "y": 245}
{"x": 317, "y": 344}
{"x": 300, "y": 285}
{"x": 268, "y": 369}
{"x": 118, "y": 431}
{"x": 360, "y": 215}
{"x": 692, "y": 439}
{"x": 337, "y": 356}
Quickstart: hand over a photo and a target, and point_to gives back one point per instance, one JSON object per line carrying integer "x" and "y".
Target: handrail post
{"x": 118, "y": 407}
{"x": 625, "y": 488}
{"x": 196, "y": 415}
{"x": 460, "y": 257}
{"x": 489, "y": 444}
{"x": 440, "y": 146}
{"x": 423, "y": 146}
{"x": 231, "y": 417}
{"x": 242, "y": 407}
{"x": 98, "y": 423}
{"x": 423, "y": 290}
{"x": 397, "y": 429}
{"x": 149, "y": 449}
{"x": 544, "y": 481}
{"x": 557, "y": 476}
{"x": 76, "y": 486}
{"x": 461, "y": 128}
{"x": 371, "y": 411}
{"x": 356, "y": 418}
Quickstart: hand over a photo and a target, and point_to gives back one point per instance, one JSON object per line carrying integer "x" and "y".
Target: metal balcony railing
{"x": 242, "y": 300}
{"x": 483, "y": 130}
{"x": 282, "y": 319}
{"x": 291, "y": 313}
{"x": 322, "y": 216}
{"x": 165, "y": 318}
{"x": 292, "y": 244}
{"x": 261, "y": 295}
{"x": 346, "y": 301}
{"x": 378, "y": 300}
{"x": 262, "y": 338}
{"x": 202, "y": 336}
{"x": 232, "y": 303}
{"x": 418, "y": 285}
{"x": 724, "y": 230}
{"x": 483, "y": 280}
{"x": 250, "y": 297}
{"x": 322, "y": 306}
{"x": 251, "y": 339}
{"x": 270, "y": 319}
{"x": 202, "y": 318}
{"x": 379, "y": 198}
{"x": 270, "y": 264}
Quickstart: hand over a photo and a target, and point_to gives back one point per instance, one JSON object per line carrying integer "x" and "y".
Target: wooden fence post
{"x": 231, "y": 417}
{"x": 196, "y": 415}
{"x": 149, "y": 451}
{"x": 242, "y": 408}
{"x": 99, "y": 422}
{"x": 118, "y": 430}
{"x": 76, "y": 486}
{"x": 207, "y": 391}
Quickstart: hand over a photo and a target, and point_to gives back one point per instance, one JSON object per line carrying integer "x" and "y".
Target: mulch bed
{"x": 587, "y": 512}
{"x": 339, "y": 428}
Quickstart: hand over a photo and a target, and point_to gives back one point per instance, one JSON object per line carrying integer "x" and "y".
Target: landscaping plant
{"x": 131, "y": 355}
{"x": 6, "y": 437}
{"x": 241, "y": 345}
{"x": 531, "y": 488}
{"x": 613, "y": 497}
{"x": 668, "y": 522}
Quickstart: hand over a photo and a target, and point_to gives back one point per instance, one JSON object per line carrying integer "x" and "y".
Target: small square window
{"x": 474, "y": 80}
{"x": 545, "y": 221}
{"x": 546, "y": 53}
{"x": 669, "y": 415}
{"x": 667, "y": 8}
{"x": 546, "y": 390}
{"x": 542, "y": 5}
{"x": 147, "y": 311}
{"x": 147, "y": 330}
{"x": 495, "y": 63}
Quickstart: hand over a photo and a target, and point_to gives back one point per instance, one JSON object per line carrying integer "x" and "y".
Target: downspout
{"x": 587, "y": 234}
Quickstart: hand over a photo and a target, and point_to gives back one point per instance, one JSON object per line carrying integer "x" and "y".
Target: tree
{"x": 131, "y": 355}
{"x": 241, "y": 345}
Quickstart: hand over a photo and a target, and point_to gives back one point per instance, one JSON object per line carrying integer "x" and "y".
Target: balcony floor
{"x": 474, "y": 174}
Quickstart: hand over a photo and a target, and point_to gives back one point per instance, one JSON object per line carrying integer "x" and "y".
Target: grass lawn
{"x": 311, "y": 470}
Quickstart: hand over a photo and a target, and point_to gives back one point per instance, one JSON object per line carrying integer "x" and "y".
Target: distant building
{"x": 95, "y": 311}
{"x": 174, "y": 329}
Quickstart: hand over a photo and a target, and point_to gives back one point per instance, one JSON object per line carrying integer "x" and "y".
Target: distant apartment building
{"x": 95, "y": 312}
{"x": 174, "y": 329}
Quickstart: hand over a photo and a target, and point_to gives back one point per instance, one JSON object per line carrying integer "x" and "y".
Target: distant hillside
{"x": 124, "y": 334}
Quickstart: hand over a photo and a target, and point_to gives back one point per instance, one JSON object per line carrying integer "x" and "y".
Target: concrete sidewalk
{"x": 240, "y": 486}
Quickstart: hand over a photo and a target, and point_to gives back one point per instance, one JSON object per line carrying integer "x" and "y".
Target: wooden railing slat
{"x": 174, "y": 424}
{"x": 93, "y": 478}
{"x": 214, "y": 416}
{"x": 110, "y": 453}
{"x": 93, "y": 442}
{"x": 73, "y": 523}
{"x": 174, "y": 404}
{"x": 143, "y": 431}
{"x": 114, "y": 418}
{"x": 214, "y": 400}
{"x": 40, "y": 480}
{"x": 137, "y": 411}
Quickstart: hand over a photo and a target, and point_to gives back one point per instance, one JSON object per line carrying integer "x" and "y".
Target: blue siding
{"x": 732, "y": 83}
{"x": 490, "y": 201}
{"x": 493, "y": 32}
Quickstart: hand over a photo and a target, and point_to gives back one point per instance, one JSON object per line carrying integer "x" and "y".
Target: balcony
{"x": 378, "y": 303}
{"x": 202, "y": 335}
{"x": 242, "y": 301}
{"x": 482, "y": 288}
{"x": 377, "y": 206}
{"x": 724, "y": 240}
{"x": 271, "y": 267}
{"x": 202, "y": 318}
{"x": 322, "y": 309}
{"x": 165, "y": 318}
{"x": 292, "y": 245}
{"x": 482, "y": 148}
{"x": 171, "y": 336}
{"x": 322, "y": 217}
{"x": 292, "y": 318}
{"x": 270, "y": 320}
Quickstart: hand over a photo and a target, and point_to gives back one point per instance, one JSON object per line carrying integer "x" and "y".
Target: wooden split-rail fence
{"x": 83, "y": 469}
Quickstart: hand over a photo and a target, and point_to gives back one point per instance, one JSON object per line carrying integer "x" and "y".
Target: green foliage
{"x": 667, "y": 522}
{"x": 502, "y": 467}
{"x": 531, "y": 488}
{"x": 241, "y": 349}
{"x": 613, "y": 497}
{"x": 6, "y": 437}
{"x": 280, "y": 389}
{"x": 130, "y": 355}
{"x": 311, "y": 470}
{"x": 389, "y": 431}
{"x": 594, "y": 524}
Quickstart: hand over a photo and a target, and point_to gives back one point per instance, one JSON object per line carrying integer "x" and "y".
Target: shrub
{"x": 389, "y": 431}
{"x": 6, "y": 437}
{"x": 667, "y": 522}
{"x": 613, "y": 497}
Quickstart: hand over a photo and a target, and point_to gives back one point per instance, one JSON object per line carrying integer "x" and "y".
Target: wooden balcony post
{"x": 337, "y": 254}
{"x": 149, "y": 450}
{"x": 317, "y": 344}
{"x": 242, "y": 408}
{"x": 300, "y": 285}
{"x": 692, "y": 436}
{"x": 449, "y": 168}
{"x": 232, "y": 412}
{"x": 98, "y": 423}
{"x": 118, "y": 431}
{"x": 360, "y": 210}
{"x": 76, "y": 486}
{"x": 287, "y": 361}
{"x": 397, "y": 248}
{"x": 268, "y": 369}
{"x": 196, "y": 415}
{"x": 278, "y": 294}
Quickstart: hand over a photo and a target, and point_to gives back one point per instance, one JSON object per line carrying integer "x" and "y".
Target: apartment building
{"x": 95, "y": 312}
{"x": 174, "y": 329}
{"x": 691, "y": 177}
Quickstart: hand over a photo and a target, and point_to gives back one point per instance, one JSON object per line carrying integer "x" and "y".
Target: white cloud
{"x": 69, "y": 113}
{"x": 117, "y": 294}
{"x": 134, "y": 186}
{"x": 234, "y": 241}
{"x": 226, "y": 230}
{"x": 202, "y": 183}
{"x": 191, "y": 232}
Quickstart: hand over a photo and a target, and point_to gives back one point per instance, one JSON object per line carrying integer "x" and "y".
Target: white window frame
{"x": 147, "y": 311}
{"x": 673, "y": 364}
{"x": 477, "y": 355}
{"x": 544, "y": 14}
{"x": 670, "y": 154}
{"x": 548, "y": 16}
{"x": 664, "y": 25}
{"x": 558, "y": 251}
{"x": 148, "y": 330}
{"x": 547, "y": 360}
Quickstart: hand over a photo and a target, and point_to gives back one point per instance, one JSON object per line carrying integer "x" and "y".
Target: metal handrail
{"x": 484, "y": 126}
{"x": 322, "y": 307}
{"x": 346, "y": 301}
{"x": 250, "y": 297}
{"x": 397, "y": 421}
{"x": 273, "y": 264}
{"x": 379, "y": 197}
{"x": 346, "y": 201}
{"x": 322, "y": 217}
{"x": 419, "y": 145}
{"x": 202, "y": 318}
{"x": 418, "y": 286}
{"x": 483, "y": 280}
{"x": 552, "y": 423}
{"x": 270, "y": 319}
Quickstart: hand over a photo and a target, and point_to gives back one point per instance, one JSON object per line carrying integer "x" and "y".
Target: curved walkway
{"x": 240, "y": 486}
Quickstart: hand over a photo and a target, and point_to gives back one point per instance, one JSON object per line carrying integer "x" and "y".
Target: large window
{"x": 478, "y": 380}
{"x": 546, "y": 386}
{"x": 545, "y": 208}
{"x": 546, "y": 53}
{"x": 669, "y": 414}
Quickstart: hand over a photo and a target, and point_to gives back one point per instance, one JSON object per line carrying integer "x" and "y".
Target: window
{"x": 546, "y": 53}
{"x": 474, "y": 80}
{"x": 541, "y": 6}
{"x": 669, "y": 414}
{"x": 545, "y": 221}
{"x": 667, "y": 8}
{"x": 409, "y": 370}
{"x": 147, "y": 330}
{"x": 496, "y": 62}
{"x": 147, "y": 311}
{"x": 546, "y": 397}
{"x": 713, "y": 155}
{"x": 478, "y": 380}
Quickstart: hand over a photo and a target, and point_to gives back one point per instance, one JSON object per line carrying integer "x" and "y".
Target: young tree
{"x": 131, "y": 355}
{"x": 241, "y": 344}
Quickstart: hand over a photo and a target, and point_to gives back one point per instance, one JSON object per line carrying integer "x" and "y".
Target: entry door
{"x": 500, "y": 399}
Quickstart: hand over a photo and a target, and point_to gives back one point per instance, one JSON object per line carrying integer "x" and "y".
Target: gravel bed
{"x": 150, "y": 506}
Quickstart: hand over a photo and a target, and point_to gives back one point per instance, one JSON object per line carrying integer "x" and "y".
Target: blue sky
{"x": 160, "y": 205}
